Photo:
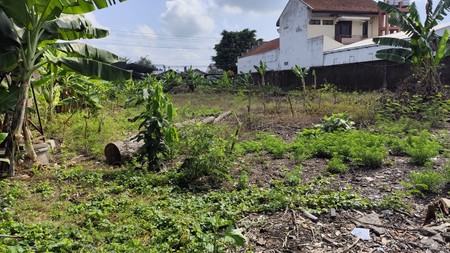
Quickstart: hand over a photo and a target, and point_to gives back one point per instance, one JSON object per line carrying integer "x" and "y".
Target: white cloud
{"x": 146, "y": 32}
{"x": 187, "y": 17}
{"x": 259, "y": 7}
{"x": 91, "y": 17}
{"x": 234, "y": 10}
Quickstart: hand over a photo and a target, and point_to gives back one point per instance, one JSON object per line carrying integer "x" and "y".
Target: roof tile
{"x": 264, "y": 47}
{"x": 365, "y": 6}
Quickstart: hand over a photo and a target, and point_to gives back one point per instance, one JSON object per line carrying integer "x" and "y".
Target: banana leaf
{"x": 81, "y": 50}
{"x": 8, "y": 99}
{"x": 71, "y": 27}
{"x": 94, "y": 68}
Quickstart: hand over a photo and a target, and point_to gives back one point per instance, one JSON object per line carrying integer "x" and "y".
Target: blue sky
{"x": 181, "y": 33}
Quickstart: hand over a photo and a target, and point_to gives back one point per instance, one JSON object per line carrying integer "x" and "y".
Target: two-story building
{"x": 311, "y": 30}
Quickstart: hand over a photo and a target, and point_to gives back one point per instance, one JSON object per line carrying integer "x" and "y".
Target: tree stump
{"x": 117, "y": 153}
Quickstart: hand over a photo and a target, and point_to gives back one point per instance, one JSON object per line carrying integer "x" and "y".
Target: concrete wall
{"x": 329, "y": 30}
{"x": 294, "y": 35}
{"x": 329, "y": 44}
{"x": 318, "y": 30}
{"x": 271, "y": 58}
{"x": 361, "y": 54}
{"x": 357, "y": 28}
{"x": 315, "y": 51}
{"x": 373, "y": 27}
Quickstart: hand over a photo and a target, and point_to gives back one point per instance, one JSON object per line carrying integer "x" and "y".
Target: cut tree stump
{"x": 118, "y": 152}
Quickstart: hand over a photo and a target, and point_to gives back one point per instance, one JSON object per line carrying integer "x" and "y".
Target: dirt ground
{"x": 389, "y": 231}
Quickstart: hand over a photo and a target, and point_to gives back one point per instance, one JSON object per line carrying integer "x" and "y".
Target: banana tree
{"x": 28, "y": 29}
{"x": 2, "y": 139}
{"x": 60, "y": 87}
{"x": 424, "y": 49}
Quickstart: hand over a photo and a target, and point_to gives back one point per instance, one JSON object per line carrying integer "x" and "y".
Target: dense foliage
{"x": 231, "y": 46}
{"x": 156, "y": 124}
{"x": 424, "y": 49}
{"x": 32, "y": 33}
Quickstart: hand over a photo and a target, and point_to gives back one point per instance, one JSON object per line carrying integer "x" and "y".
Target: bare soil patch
{"x": 290, "y": 231}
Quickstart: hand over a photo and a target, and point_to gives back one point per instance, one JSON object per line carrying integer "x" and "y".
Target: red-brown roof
{"x": 264, "y": 47}
{"x": 361, "y": 6}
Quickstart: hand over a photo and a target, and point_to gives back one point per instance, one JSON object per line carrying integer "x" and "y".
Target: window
{"x": 343, "y": 29}
{"x": 365, "y": 31}
{"x": 314, "y": 22}
{"x": 327, "y": 22}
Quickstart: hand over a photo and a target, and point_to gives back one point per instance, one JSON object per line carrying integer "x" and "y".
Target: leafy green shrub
{"x": 400, "y": 127}
{"x": 171, "y": 79}
{"x": 426, "y": 181}
{"x": 367, "y": 149}
{"x": 447, "y": 172}
{"x": 2, "y": 138}
{"x": 44, "y": 188}
{"x": 243, "y": 181}
{"x": 156, "y": 128}
{"x": 396, "y": 145}
{"x": 337, "y": 165}
{"x": 274, "y": 145}
{"x": 336, "y": 122}
{"x": 369, "y": 157}
{"x": 331, "y": 144}
{"x": 422, "y": 148}
{"x": 250, "y": 146}
{"x": 294, "y": 178}
{"x": 362, "y": 148}
{"x": 206, "y": 154}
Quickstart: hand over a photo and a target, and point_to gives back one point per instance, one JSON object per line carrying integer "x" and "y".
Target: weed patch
{"x": 422, "y": 147}
{"x": 426, "y": 181}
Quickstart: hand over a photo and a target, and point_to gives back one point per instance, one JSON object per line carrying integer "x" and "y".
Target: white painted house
{"x": 321, "y": 33}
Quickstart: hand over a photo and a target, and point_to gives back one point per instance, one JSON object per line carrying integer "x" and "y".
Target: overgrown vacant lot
{"x": 257, "y": 176}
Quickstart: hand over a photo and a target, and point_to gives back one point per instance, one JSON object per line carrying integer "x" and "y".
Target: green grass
{"x": 88, "y": 134}
{"x": 85, "y": 206}
{"x": 105, "y": 209}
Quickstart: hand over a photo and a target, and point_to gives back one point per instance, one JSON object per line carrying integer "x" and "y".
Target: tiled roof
{"x": 361, "y": 6}
{"x": 264, "y": 47}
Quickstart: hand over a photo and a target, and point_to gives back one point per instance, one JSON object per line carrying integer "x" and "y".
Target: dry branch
{"x": 222, "y": 116}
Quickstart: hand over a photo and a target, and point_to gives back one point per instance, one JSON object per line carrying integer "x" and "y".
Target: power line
{"x": 163, "y": 35}
{"x": 152, "y": 46}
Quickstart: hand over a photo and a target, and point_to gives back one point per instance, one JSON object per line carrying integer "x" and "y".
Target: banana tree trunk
{"x": 4, "y": 167}
{"x": 31, "y": 154}
{"x": 17, "y": 125}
